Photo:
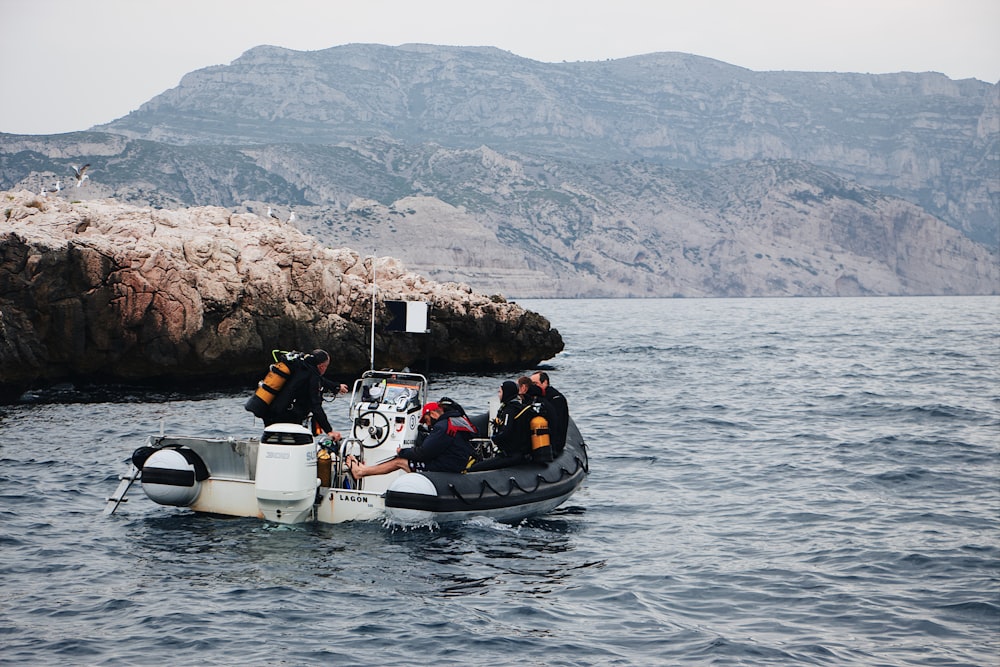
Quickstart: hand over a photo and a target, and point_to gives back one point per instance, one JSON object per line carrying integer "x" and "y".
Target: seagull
{"x": 272, "y": 214}
{"x": 80, "y": 174}
{"x": 46, "y": 191}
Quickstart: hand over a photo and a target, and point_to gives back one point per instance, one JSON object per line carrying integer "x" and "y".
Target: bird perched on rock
{"x": 81, "y": 174}
{"x": 46, "y": 191}
{"x": 272, "y": 214}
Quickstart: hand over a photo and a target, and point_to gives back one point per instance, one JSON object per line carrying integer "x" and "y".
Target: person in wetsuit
{"x": 302, "y": 396}
{"x": 559, "y": 414}
{"x": 447, "y": 448}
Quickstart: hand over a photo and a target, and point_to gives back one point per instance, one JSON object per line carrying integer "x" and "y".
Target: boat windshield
{"x": 403, "y": 391}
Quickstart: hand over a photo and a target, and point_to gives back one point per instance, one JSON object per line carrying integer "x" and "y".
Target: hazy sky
{"x": 69, "y": 64}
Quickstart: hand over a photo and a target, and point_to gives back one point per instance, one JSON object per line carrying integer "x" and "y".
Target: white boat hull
{"x": 236, "y": 497}
{"x": 285, "y": 476}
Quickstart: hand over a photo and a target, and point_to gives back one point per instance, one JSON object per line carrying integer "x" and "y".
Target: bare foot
{"x": 354, "y": 467}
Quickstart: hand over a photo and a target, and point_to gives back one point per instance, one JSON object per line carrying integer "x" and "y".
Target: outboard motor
{"x": 286, "y": 473}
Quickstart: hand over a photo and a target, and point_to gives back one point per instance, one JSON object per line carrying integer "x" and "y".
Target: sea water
{"x": 773, "y": 482}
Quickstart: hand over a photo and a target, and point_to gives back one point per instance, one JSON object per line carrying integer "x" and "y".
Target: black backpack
{"x": 451, "y": 405}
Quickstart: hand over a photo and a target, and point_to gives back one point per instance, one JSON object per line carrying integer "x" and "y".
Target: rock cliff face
{"x": 773, "y": 228}
{"x": 102, "y": 291}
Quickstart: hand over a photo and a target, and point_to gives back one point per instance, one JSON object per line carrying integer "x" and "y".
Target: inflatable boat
{"x": 506, "y": 494}
{"x": 289, "y": 476}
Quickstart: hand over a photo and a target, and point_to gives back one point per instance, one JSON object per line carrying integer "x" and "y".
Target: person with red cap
{"x": 447, "y": 448}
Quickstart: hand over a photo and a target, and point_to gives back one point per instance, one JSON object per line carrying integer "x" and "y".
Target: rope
{"x": 512, "y": 483}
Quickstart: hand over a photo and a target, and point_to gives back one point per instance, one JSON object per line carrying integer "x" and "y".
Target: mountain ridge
{"x": 507, "y": 162}
{"x": 920, "y": 136}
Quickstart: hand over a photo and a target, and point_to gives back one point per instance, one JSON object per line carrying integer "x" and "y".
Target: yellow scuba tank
{"x": 541, "y": 449}
{"x": 324, "y": 466}
{"x": 272, "y": 383}
{"x": 268, "y": 388}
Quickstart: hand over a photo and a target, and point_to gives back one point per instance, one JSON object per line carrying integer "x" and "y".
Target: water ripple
{"x": 774, "y": 482}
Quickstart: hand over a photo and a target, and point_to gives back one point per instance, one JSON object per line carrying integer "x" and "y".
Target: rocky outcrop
{"x": 101, "y": 291}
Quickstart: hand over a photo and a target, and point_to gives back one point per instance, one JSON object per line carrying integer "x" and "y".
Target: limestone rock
{"x": 99, "y": 290}
{"x": 768, "y": 228}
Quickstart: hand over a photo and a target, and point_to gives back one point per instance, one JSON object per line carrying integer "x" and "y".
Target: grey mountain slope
{"x": 921, "y": 136}
{"x": 657, "y": 175}
{"x": 771, "y": 228}
{"x": 530, "y": 226}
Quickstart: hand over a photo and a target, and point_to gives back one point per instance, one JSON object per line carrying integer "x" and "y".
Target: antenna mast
{"x": 372, "y": 352}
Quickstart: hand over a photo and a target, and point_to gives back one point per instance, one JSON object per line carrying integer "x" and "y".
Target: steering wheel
{"x": 379, "y": 432}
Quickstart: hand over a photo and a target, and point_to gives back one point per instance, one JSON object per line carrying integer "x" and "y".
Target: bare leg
{"x": 359, "y": 470}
